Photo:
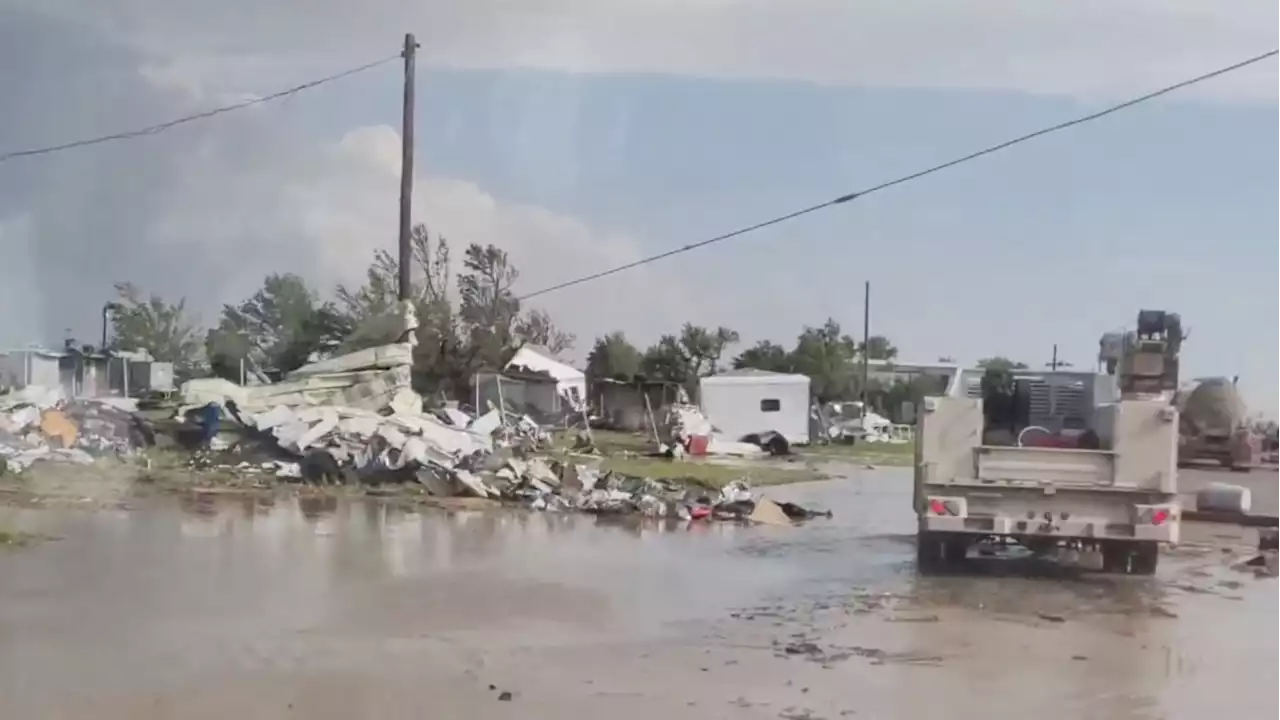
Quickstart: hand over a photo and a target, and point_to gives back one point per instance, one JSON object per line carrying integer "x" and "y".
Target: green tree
{"x": 828, "y": 357}
{"x": 877, "y": 347}
{"x": 535, "y": 327}
{"x": 666, "y": 360}
{"x": 765, "y": 355}
{"x": 613, "y": 357}
{"x": 437, "y": 356}
{"x": 999, "y": 362}
{"x": 702, "y": 348}
{"x": 458, "y": 335}
{"x": 489, "y": 308}
{"x": 278, "y": 328}
{"x": 161, "y": 328}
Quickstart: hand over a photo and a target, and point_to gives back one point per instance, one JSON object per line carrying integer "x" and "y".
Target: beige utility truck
{"x": 995, "y": 466}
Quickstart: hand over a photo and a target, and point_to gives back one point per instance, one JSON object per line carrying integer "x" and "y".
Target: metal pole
{"x": 406, "y": 171}
{"x": 866, "y": 347}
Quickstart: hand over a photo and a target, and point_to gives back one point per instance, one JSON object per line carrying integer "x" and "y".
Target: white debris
{"x": 41, "y": 423}
{"x": 733, "y": 492}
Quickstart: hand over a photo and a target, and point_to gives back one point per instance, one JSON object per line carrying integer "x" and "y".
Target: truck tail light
{"x": 1156, "y": 514}
{"x": 941, "y": 506}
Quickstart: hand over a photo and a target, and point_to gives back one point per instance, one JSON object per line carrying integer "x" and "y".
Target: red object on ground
{"x": 698, "y": 445}
{"x": 698, "y": 512}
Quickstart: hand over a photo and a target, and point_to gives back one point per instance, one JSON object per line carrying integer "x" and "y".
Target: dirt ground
{"x": 344, "y": 608}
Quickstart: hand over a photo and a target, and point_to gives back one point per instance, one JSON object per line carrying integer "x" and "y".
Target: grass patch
{"x": 902, "y": 455}
{"x": 16, "y": 539}
{"x": 608, "y": 442}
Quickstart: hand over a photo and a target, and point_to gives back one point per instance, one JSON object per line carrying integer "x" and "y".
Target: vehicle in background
{"x": 1214, "y": 425}
{"x": 1094, "y": 469}
{"x": 843, "y": 421}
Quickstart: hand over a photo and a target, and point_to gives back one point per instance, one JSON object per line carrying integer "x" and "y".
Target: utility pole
{"x": 866, "y": 347}
{"x": 1055, "y": 363}
{"x": 406, "y": 171}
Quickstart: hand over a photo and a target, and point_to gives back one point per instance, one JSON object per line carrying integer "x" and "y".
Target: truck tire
{"x": 1115, "y": 557}
{"x": 929, "y": 555}
{"x": 1145, "y": 558}
{"x": 939, "y": 550}
{"x": 1131, "y": 557}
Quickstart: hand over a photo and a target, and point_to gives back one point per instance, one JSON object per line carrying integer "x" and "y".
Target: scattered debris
{"x": 41, "y": 424}
{"x": 687, "y": 430}
{"x": 355, "y": 419}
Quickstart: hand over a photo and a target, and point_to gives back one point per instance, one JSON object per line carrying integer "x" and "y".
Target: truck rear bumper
{"x": 1074, "y": 528}
{"x": 1067, "y": 515}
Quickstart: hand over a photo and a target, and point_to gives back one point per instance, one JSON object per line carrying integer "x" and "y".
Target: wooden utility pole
{"x": 406, "y": 172}
{"x": 1055, "y": 363}
{"x": 866, "y": 347}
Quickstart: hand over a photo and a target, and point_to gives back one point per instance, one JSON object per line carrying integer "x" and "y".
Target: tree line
{"x": 467, "y": 323}
{"x": 472, "y": 321}
{"x": 831, "y": 359}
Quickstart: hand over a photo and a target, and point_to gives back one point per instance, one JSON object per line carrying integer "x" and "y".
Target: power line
{"x": 907, "y": 178}
{"x": 154, "y": 129}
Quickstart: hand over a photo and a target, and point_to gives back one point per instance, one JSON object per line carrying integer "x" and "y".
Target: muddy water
{"x": 325, "y": 609}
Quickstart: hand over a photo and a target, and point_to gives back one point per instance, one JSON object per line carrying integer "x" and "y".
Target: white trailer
{"x": 744, "y": 402}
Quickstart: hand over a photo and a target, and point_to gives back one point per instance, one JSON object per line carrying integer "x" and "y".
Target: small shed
{"x": 571, "y": 383}
{"x": 621, "y": 404}
{"x": 742, "y": 402}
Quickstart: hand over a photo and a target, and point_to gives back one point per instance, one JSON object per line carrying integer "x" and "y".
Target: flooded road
{"x": 327, "y": 609}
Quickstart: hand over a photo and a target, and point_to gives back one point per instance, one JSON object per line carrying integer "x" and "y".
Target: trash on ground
{"x": 355, "y": 418}
{"x": 41, "y": 424}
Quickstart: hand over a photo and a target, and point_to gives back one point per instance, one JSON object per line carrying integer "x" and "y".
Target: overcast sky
{"x": 580, "y": 134}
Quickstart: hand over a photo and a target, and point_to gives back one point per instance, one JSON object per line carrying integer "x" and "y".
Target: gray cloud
{"x": 1079, "y": 48}
{"x": 206, "y": 210}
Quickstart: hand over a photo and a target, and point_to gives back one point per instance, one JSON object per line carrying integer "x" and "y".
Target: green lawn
{"x": 609, "y": 442}
{"x": 872, "y": 453}
{"x": 14, "y": 538}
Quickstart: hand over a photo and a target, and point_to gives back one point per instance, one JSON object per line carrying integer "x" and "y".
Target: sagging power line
{"x": 907, "y": 178}
{"x": 161, "y": 127}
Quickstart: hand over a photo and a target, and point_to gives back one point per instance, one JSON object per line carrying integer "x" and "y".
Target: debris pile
{"x": 40, "y": 423}
{"x": 355, "y": 419}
